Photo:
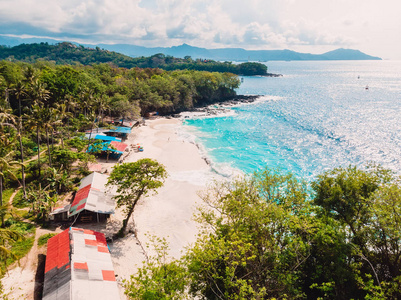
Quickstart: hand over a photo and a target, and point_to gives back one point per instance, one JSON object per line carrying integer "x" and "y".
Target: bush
{"x": 44, "y": 238}
{"x": 19, "y": 201}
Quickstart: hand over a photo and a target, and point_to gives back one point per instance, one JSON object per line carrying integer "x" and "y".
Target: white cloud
{"x": 251, "y": 24}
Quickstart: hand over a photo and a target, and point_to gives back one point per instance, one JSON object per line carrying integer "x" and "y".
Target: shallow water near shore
{"x": 318, "y": 116}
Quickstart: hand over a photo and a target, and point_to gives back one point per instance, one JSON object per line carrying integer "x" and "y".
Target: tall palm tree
{"x": 6, "y": 144}
{"x": 35, "y": 122}
{"x": 102, "y": 104}
{"x": 50, "y": 120}
{"x": 86, "y": 102}
{"x": 63, "y": 115}
{"x": 39, "y": 94}
{"x": 20, "y": 92}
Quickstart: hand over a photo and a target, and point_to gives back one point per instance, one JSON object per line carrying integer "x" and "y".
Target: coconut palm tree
{"x": 102, "y": 104}
{"x": 63, "y": 114}
{"x": 40, "y": 95}
{"x": 7, "y": 140}
{"x": 20, "y": 93}
{"x": 35, "y": 122}
{"x": 50, "y": 119}
{"x": 86, "y": 101}
{"x": 42, "y": 201}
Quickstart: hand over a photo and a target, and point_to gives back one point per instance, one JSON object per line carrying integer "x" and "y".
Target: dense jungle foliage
{"x": 273, "y": 236}
{"x": 67, "y": 53}
{"x": 117, "y": 91}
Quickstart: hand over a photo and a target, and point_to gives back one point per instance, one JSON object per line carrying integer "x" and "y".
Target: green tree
{"x": 344, "y": 194}
{"x": 42, "y": 201}
{"x": 6, "y": 237}
{"x": 133, "y": 181}
{"x": 257, "y": 238}
{"x": 252, "y": 68}
{"x": 159, "y": 278}
{"x": 365, "y": 206}
{"x": 20, "y": 93}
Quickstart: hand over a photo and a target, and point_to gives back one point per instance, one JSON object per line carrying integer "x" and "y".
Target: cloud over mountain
{"x": 252, "y": 24}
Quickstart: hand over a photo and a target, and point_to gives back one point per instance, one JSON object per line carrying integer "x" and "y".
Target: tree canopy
{"x": 135, "y": 180}
{"x": 68, "y": 53}
{"x": 270, "y": 236}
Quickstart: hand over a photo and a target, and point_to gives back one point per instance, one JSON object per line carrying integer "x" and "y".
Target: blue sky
{"x": 314, "y": 26}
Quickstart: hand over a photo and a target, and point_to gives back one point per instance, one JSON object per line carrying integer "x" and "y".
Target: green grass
{"x": 7, "y": 194}
{"x": 44, "y": 238}
{"x": 19, "y": 201}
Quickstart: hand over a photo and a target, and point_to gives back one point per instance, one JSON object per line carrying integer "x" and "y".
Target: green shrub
{"x": 19, "y": 201}
{"x": 44, "y": 238}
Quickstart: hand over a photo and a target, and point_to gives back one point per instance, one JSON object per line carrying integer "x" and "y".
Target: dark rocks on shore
{"x": 272, "y": 75}
{"x": 217, "y": 108}
{"x": 238, "y": 99}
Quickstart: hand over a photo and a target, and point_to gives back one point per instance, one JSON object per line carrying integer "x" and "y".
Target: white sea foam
{"x": 211, "y": 111}
{"x": 258, "y": 100}
{"x": 217, "y": 170}
{"x": 225, "y": 109}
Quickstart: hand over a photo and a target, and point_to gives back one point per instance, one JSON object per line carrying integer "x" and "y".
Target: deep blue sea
{"x": 318, "y": 116}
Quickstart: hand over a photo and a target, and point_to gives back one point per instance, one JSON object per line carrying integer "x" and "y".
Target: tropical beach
{"x": 168, "y": 214}
{"x": 200, "y": 150}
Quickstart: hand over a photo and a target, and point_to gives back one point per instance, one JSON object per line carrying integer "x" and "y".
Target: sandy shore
{"x": 169, "y": 213}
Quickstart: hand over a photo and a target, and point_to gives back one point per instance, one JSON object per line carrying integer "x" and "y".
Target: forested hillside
{"x": 120, "y": 91}
{"x": 67, "y": 53}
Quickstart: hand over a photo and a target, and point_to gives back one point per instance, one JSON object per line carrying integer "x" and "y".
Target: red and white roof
{"x": 93, "y": 196}
{"x": 78, "y": 266}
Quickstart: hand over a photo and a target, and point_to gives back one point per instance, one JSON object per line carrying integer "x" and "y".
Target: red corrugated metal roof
{"x": 58, "y": 251}
{"x": 69, "y": 254}
{"x": 103, "y": 249}
{"x": 90, "y": 242}
{"x": 101, "y": 239}
{"x": 108, "y": 275}
{"x": 81, "y": 266}
{"x": 81, "y": 194}
{"x": 88, "y": 231}
{"x": 119, "y": 146}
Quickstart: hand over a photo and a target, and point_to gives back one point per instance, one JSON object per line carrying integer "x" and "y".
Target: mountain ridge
{"x": 218, "y": 54}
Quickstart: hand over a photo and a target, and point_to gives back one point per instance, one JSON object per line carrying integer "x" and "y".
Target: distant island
{"x": 238, "y": 54}
{"x": 221, "y": 54}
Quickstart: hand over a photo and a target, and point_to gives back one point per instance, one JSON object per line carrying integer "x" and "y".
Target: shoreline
{"x": 169, "y": 213}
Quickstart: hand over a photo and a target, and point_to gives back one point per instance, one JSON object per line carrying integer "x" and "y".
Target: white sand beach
{"x": 168, "y": 214}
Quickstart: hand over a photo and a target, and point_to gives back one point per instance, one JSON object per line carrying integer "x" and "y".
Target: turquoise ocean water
{"x": 318, "y": 116}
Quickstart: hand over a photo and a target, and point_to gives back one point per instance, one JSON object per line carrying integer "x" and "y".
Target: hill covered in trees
{"x": 68, "y": 53}
{"x": 122, "y": 92}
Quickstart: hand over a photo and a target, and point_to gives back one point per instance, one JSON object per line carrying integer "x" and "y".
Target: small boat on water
{"x": 366, "y": 87}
